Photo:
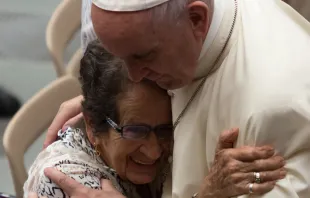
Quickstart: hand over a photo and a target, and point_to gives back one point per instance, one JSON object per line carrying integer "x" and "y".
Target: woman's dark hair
{"x": 103, "y": 78}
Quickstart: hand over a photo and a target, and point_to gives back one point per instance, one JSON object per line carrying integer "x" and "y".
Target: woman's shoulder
{"x": 71, "y": 154}
{"x": 72, "y": 141}
{"x": 71, "y": 148}
{"x": 86, "y": 172}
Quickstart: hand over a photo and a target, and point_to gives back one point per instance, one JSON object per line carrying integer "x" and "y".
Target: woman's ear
{"x": 89, "y": 130}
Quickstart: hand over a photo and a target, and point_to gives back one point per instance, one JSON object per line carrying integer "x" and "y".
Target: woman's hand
{"x": 233, "y": 170}
{"x": 68, "y": 114}
{"x": 76, "y": 190}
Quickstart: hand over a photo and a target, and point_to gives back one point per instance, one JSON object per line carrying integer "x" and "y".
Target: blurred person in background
{"x": 9, "y": 104}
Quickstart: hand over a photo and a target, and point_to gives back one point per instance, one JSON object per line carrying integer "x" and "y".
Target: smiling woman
{"x": 120, "y": 117}
{"x": 127, "y": 135}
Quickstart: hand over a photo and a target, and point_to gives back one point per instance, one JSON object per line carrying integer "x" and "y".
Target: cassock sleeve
{"x": 287, "y": 128}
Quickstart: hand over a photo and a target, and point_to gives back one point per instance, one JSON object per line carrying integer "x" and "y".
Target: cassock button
{"x": 170, "y": 93}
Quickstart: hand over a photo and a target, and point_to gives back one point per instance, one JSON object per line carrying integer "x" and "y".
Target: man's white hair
{"x": 173, "y": 9}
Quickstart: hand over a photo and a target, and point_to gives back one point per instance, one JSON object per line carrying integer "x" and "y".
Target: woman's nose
{"x": 151, "y": 148}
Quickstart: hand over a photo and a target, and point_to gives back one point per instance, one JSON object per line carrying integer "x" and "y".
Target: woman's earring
{"x": 97, "y": 150}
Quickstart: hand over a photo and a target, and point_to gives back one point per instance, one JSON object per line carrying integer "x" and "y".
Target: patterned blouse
{"x": 73, "y": 155}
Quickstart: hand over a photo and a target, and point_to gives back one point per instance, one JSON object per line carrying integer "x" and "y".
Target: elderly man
{"x": 226, "y": 63}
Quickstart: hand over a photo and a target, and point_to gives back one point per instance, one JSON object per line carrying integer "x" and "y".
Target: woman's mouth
{"x": 143, "y": 162}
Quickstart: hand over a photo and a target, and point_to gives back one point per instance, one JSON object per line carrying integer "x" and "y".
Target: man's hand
{"x": 77, "y": 190}
{"x": 34, "y": 195}
{"x": 68, "y": 114}
{"x": 233, "y": 169}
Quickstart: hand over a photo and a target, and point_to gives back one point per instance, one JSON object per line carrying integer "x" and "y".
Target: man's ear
{"x": 200, "y": 15}
{"x": 89, "y": 130}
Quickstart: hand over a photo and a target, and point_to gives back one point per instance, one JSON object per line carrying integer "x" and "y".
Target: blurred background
{"x": 25, "y": 64}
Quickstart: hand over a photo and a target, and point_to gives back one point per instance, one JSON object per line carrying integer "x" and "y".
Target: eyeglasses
{"x": 134, "y": 132}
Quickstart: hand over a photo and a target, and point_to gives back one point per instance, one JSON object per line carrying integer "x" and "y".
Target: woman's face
{"x": 138, "y": 160}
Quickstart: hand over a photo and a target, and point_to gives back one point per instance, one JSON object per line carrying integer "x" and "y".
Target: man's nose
{"x": 137, "y": 73}
{"x": 152, "y": 148}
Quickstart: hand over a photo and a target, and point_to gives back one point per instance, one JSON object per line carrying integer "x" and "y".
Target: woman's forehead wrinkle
{"x": 130, "y": 114}
{"x": 129, "y": 106}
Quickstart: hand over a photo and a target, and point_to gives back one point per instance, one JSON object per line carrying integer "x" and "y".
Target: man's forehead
{"x": 127, "y": 5}
{"x": 121, "y": 22}
{"x": 128, "y": 33}
{"x": 125, "y": 32}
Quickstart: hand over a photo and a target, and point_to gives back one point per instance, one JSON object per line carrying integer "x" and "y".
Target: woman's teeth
{"x": 143, "y": 163}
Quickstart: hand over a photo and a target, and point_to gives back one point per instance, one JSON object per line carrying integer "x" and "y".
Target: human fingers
{"x": 32, "y": 195}
{"x": 244, "y": 188}
{"x": 270, "y": 164}
{"x": 227, "y": 139}
{"x": 249, "y": 154}
{"x": 107, "y": 185}
{"x": 108, "y": 190}
{"x": 68, "y": 185}
{"x": 261, "y": 188}
{"x": 266, "y": 176}
{"x": 73, "y": 121}
{"x": 66, "y": 111}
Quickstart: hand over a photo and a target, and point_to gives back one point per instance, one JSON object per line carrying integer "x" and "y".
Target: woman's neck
{"x": 144, "y": 190}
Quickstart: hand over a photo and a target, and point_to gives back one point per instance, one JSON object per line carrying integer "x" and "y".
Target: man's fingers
{"x": 250, "y": 154}
{"x": 51, "y": 136}
{"x": 270, "y": 164}
{"x": 227, "y": 139}
{"x": 64, "y": 182}
{"x": 61, "y": 118}
{"x": 107, "y": 185}
{"x": 32, "y": 195}
{"x": 66, "y": 111}
{"x": 263, "y": 187}
{"x": 272, "y": 175}
{"x": 73, "y": 121}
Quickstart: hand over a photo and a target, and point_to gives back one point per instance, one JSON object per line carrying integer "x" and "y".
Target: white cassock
{"x": 259, "y": 82}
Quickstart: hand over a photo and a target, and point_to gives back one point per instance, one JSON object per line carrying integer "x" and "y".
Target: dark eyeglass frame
{"x": 119, "y": 129}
